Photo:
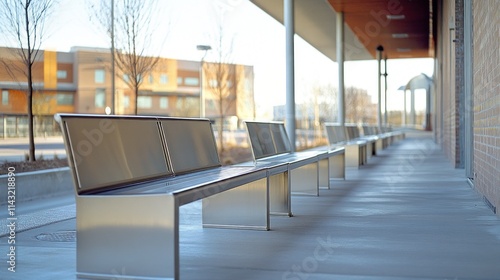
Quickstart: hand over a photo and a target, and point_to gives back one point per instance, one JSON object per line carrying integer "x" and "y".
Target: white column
{"x": 340, "y": 61}
{"x": 404, "y": 111}
{"x": 379, "y": 106}
{"x": 385, "y": 92}
{"x": 413, "y": 116}
{"x": 288, "y": 12}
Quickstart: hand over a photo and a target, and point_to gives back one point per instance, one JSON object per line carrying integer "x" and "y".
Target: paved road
{"x": 14, "y": 149}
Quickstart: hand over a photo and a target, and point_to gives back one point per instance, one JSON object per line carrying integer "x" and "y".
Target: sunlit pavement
{"x": 16, "y": 149}
{"x": 407, "y": 214}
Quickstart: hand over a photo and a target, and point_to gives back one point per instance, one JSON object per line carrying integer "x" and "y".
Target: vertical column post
{"x": 380, "y": 49}
{"x": 113, "y": 85}
{"x": 404, "y": 110}
{"x": 340, "y": 62}
{"x": 290, "y": 75}
{"x": 385, "y": 91}
{"x": 413, "y": 118}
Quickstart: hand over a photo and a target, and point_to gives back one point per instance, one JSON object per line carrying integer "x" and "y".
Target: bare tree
{"x": 358, "y": 105}
{"x": 24, "y": 22}
{"x": 319, "y": 108}
{"x": 132, "y": 34}
{"x": 221, "y": 79}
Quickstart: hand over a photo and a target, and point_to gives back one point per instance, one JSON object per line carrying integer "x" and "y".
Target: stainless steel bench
{"x": 356, "y": 151}
{"x": 305, "y": 171}
{"x": 386, "y": 135}
{"x": 131, "y": 175}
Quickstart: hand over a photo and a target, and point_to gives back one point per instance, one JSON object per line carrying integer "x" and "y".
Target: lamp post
{"x": 202, "y": 98}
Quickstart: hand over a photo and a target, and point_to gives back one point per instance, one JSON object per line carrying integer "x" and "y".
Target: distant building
{"x": 80, "y": 81}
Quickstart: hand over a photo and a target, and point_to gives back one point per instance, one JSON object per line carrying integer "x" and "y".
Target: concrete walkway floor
{"x": 406, "y": 215}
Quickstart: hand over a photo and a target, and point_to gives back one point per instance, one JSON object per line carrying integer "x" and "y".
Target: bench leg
{"x": 323, "y": 173}
{"x": 337, "y": 167}
{"x": 369, "y": 150}
{"x": 353, "y": 154}
{"x": 244, "y": 207}
{"x": 280, "y": 195}
{"x": 379, "y": 145}
{"x": 115, "y": 232}
{"x": 304, "y": 180}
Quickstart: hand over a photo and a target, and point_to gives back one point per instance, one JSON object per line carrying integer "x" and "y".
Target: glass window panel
{"x": 62, "y": 74}
{"x": 99, "y": 76}
{"x": 100, "y": 98}
{"x": 144, "y": 102}
{"x": 191, "y": 81}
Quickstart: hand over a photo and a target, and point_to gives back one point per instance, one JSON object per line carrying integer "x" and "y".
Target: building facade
{"x": 467, "y": 87}
{"x": 80, "y": 81}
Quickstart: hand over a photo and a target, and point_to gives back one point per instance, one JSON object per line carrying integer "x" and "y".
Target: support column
{"x": 413, "y": 118}
{"x": 404, "y": 107}
{"x": 380, "y": 49}
{"x": 290, "y": 75}
{"x": 385, "y": 91}
{"x": 428, "y": 108}
{"x": 340, "y": 62}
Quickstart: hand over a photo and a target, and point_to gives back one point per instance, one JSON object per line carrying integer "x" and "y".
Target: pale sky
{"x": 258, "y": 41}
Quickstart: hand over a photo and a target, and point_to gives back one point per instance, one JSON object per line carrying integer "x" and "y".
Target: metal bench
{"x": 356, "y": 151}
{"x": 131, "y": 175}
{"x": 372, "y": 143}
{"x": 305, "y": 171}
{"x": 384, "y": 136}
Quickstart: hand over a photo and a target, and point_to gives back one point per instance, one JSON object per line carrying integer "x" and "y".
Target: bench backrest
{"x": 267, "y": 139}
{"x": 352, "y": 131}
{"x": 335, "y": 133}
{"x": 368, "y": 130}
{"x": 190, "y": 144}
{"x": 107, "y": 152}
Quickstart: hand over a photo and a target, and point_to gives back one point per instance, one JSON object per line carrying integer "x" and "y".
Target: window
{"x": 126, "y": 101}
{"x": 144, "y": 102}
{"x": 163, "y": 79}
{"x": 248, "y": 85}
{"x": 151, "y": 79}
{"x": 163, "y": 102}
{"x": 100, "y": 98}
{"x": 179, "y": 81}
{"x": 229, "y": 84}
{"x": 62, "y": 74}
{"x": 125, "y": 78}
{"x": 5, "y": 97}
{"x": 99, "y": 76}
{"x": 191, "y": 81}
{"x": 64, "y": 99}
{"x": 213, "y": 83}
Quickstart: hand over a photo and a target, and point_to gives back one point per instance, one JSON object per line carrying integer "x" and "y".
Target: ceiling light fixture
{"x": 400, "y": 35}
{"x": 403, "y": 49}
{"x": 395, "y": 17}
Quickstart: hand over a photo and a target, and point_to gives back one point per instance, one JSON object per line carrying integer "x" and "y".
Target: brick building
{"x": 80, "y": 81}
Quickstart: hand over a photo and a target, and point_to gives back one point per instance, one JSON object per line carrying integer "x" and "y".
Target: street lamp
{"x": 202, "y": 99}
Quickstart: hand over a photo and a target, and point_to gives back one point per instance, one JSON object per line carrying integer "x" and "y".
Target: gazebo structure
{"x": 424, "y": 82}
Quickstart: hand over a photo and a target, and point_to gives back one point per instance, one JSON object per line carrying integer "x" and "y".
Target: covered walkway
{"x": 408, "y": 214}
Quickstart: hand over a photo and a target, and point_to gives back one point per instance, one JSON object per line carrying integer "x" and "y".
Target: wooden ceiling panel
{"x": 407, "y": 37}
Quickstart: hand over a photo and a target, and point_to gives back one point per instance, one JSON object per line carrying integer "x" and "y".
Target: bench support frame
{"x": 127, "y": 236}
